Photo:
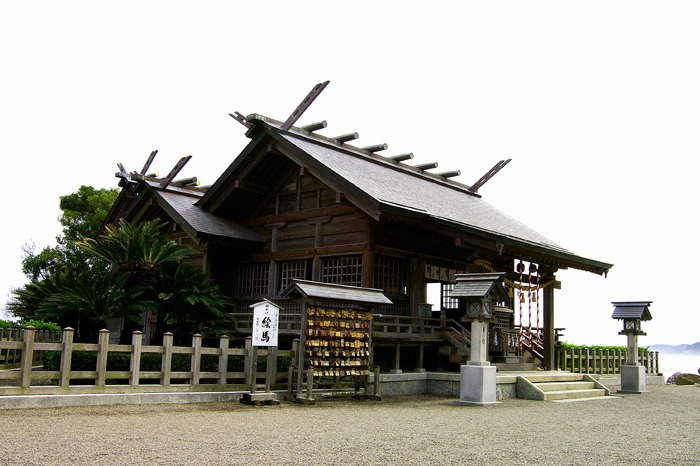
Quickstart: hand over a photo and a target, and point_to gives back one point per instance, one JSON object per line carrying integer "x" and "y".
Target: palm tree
{"x": 138, "y": 248}
{"x": 82, "y": 299}
{"x": 138, "y": 252}
{"x": 188, "y": 300}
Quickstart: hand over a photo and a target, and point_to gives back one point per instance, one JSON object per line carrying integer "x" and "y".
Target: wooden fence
{"x": 11, "y": 358}
{"x": 28, "y": 379}
{"x": 603, "y": 362}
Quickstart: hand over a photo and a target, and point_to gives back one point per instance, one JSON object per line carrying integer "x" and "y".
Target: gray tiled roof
{"x": 632, "y": 310}
{"x": 478, "y": 285}
{"x": 335, "y": 292}
{"x": 392, "y": 186}
{"x": 180, "y": 205}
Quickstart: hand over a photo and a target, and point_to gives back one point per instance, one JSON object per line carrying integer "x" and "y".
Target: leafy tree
{"x": 83, "y": 213}
{"x": 128, "y": 270}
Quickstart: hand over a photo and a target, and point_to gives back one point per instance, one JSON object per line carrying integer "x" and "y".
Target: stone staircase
{"x": 560, "y": 387}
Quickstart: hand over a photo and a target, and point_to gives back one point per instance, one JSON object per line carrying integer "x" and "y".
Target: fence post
{"x": 223, "y": 359}
{"x": 135, "y": 366}
{"x": 247, "y": 361}
{"x": 102, "y": 352}
{"x": 15, "y": 335}
{"x": 376, "y": 381}
{"x": 271, "y": 374}
{"x": 166, "y": 362}
{"x": 310, "y": 383}
{"x": 27, "y": 357}
{"x": 656, "y": 362}
{"x": 66, "y": 356}
{"x": 196, "y": 357}
{"x": 292, "y": 367}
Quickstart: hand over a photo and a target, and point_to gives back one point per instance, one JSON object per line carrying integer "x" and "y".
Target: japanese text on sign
{"x": 265, "y": 321}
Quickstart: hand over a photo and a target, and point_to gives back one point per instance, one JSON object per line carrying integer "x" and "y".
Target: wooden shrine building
{"x": 298, "y": 205}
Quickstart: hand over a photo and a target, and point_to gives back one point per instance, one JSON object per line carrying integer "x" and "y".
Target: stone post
{"x": 478, "y": 376}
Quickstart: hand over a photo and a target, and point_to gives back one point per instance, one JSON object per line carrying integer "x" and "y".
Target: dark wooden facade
{"x": 297, "y": 205}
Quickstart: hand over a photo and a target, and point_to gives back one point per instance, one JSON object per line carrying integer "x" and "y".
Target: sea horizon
{"x": 672, "y": 362}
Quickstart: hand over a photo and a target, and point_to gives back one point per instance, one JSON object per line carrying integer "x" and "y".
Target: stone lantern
{"x": 632, "y": 313}
{"x": 479, "y": 293}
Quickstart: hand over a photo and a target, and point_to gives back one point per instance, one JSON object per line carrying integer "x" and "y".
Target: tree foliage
{"x": 82, "y": 215}
{"x": 126, "y": 271}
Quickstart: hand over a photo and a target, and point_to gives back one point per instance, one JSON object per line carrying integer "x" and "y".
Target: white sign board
{"x": 265, "y": 321}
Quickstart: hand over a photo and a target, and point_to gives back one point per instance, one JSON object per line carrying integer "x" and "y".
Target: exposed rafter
{"x": 308, "y": 100}
{"x": 489, "y": 174}
{"x": 241, "y": 119}
{"x": 149, "y": 161}
{"x": 176, "y": 169}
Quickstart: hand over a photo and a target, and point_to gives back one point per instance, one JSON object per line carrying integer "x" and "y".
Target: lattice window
{"x": 343, "y": 270}
{"x": 290, "y": 270}
{"x": 447, "y": 302}
{"x": 391, "y": 274}
{"x": 254, "y": 280}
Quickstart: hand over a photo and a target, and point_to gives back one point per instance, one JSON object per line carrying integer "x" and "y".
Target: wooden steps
{"x": 560, "y": 387}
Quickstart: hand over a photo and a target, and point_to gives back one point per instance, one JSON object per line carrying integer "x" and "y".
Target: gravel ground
{"x": 657, "y": 428}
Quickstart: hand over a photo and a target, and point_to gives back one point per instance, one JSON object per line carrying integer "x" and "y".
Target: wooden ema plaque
{"x": 337, "y": 342}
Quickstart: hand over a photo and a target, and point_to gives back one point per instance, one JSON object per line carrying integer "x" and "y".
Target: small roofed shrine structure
{"x": 299, "y": 205}
{"x": 336, "y": 338}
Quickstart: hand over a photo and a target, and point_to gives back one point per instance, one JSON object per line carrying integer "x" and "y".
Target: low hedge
{"x": 599, "y": 347}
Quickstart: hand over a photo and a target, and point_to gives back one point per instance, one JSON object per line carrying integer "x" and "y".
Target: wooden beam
{"x": 241, "y": 119}
{"x": 346, "y": 137}
{"x": 376, "y": 148}
{"x": 489, "y": 174}
{"x": 301, "y": 108}
{"x": 149, "y": 160}
{"x": 250, "y": 187}
{"x": 401, "y": 157}
{"x": 190, "y": 180}
{"x": 176, "y": 169}
{"x": 449, "y": 174}
{"x": 315, "y": 126}
{"x": 426, "y": 166}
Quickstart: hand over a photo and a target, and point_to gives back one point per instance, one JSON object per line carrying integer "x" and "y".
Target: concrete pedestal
{"x": 633, "y": 379}
{"x": 477, "y": 384}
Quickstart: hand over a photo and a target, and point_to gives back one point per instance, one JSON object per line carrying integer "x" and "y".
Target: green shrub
{"x": 7, "y": 324}
{"x": 41, "y": 325}
{"x": 599, "y": 347}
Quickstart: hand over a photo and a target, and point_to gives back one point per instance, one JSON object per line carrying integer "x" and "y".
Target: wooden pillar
{"x": 548, "y": 325}
{"x": 135, "y": 365}
{"x": 27, "y": 356}
{"x": 420, "y": 358}
{"x": 102, "y": 352}
{"x": 66, "y": 356}
{"x": 397, "y": 359}
{"x": 196, "y": 363}
{"x": 416, "y": 288}
{"x": 167, "y": 358}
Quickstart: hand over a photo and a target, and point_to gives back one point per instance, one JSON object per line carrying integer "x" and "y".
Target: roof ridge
{"x": 296, "y": 131}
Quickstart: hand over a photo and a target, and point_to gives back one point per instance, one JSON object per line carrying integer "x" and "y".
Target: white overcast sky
{"x": 597, "y": 103}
